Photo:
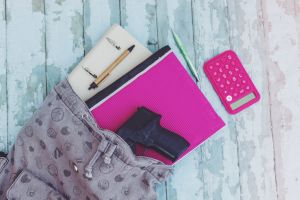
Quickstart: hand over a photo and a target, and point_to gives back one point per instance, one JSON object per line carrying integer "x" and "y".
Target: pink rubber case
{"x": 231, "y": 82}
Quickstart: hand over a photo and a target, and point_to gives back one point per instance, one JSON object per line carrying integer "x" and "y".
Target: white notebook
{"x": 114, "y": 42}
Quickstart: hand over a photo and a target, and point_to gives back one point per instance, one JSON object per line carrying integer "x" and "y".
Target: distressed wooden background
{"x": 256, "y": 156}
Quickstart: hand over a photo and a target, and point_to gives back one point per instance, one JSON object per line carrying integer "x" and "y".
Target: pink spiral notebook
{"x": 166, "y": 88}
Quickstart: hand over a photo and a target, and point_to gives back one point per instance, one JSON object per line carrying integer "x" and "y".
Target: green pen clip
{"x": 183, "y": 51}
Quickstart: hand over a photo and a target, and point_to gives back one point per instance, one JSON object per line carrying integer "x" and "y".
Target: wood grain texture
{"x": 143, "y": 25}
{"x": 281, "y": 31}
{"x": 255, "y": 142}
{"x": 219, "y": 155}
{"x": 3, "y": 86}
{"x": 64, "y": 38}
{"x": 99, "y": 15}
{"x": 253, "y": 158}
{"x": 25, "y": 62}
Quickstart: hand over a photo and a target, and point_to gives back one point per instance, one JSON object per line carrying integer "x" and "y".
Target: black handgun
{"x": 144, "y": 128}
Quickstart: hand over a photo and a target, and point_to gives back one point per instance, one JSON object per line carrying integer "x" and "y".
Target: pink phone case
{"x": 231, "y": 82}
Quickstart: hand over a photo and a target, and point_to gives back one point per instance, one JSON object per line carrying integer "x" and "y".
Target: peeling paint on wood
{"x": 176, "y": 15}
{"x": 218, "y": 162}
{"x": 256, "y": 156}
{"x": 64, "y": 38}
{"x": 3, "y": 76}
{"x": 99, "y": 15}
{"x": 253, "y": 157}
{"x": 25, "y": 64}
{"x": 282, "y": 58}
{"x": 143, "y": 27}
{"x": 38, "y": 6}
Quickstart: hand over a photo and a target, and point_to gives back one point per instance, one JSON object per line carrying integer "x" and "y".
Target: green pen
{"x": 185, "y": 56}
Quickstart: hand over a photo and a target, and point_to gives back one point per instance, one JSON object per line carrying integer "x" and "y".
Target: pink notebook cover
{"x": 165, "y": 88}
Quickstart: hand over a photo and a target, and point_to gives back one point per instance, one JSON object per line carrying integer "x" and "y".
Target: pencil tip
{"x": 130, "y": 48}
{"x": 93, "y": 86}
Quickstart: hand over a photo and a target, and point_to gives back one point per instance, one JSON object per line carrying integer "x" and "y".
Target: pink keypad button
{"x": 229, "y": 98}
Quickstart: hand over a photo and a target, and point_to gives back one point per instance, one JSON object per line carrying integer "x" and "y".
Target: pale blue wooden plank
{"x": 25, "y": 62}
{"x": 3, "y": 86}
{"x": 175, "y": 15}
{"x": 139, "y": 18}
{"x": 211, "y": 172}
{"x": 280, "y": 21}
{"x": 220, "y": 165}
{"x": 99, "y": 15}
{"x": 256, "y": 156}
{"x": 64, "y": 38}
